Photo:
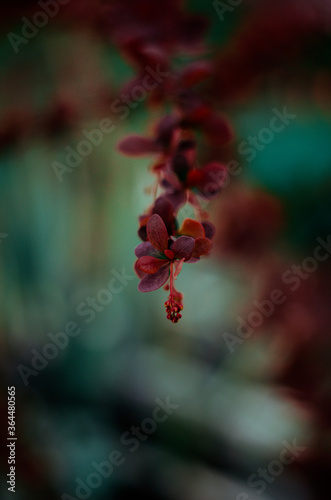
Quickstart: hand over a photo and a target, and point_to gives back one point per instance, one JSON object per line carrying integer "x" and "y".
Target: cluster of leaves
{"x": 179, "y": 178}
{"x": 166, "y": 246}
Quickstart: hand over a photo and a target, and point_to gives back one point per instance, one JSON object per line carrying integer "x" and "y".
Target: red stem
{"x": 171, "y": 279}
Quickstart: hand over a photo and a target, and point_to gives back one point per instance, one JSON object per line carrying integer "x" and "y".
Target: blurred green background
{"x": 63, "y": 241}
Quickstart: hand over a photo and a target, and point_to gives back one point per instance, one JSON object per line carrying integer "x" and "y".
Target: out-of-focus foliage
{"x": 239, "y": 397}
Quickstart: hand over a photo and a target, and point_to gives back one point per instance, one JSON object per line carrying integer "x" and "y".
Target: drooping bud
{"x": 173, "y": 309}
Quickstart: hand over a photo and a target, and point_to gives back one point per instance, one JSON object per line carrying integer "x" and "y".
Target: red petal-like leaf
{"x": 201, "y": 247}
{"x": 169, "y": 254}
{"x": 139, "y": 272}
{"x": 183, "y": 247}
{"x": 192, "y": 228}
{"x": 151, "y": 282}
{"x": 149, "y": 264}
{"x": 136, "y": 145}
{"x": 157, "y": 233}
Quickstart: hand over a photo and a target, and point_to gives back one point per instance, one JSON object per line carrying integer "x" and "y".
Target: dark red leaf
{"x": 149, "y": 264}
{"x": 151, "y": 282}
{"x": 169, "y": 254}
{"x": 139, "y": 272}
{"x": 165, "y": 210}
{"x": 201, "y": 247}
{"x": 157, "y": 233}
{"x": 183, "y": 247}
{"x": 209, "y": 229}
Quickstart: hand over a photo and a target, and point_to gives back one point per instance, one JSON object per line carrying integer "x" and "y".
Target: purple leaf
{"x": 165, "y": 210}
{"x": 151, "y": 282}
{"x": 157, "y": 233}
{"x": 183, "y": 247}
{"x": 209, "y": 229}
{"x": 144, "y": 249}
